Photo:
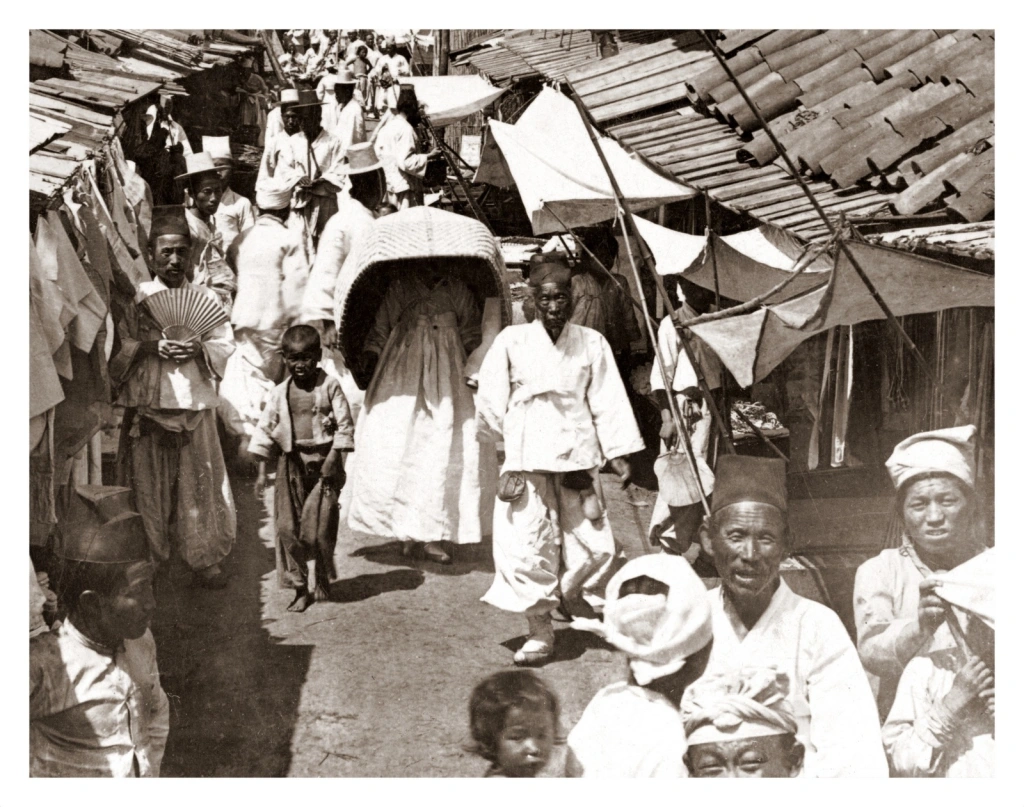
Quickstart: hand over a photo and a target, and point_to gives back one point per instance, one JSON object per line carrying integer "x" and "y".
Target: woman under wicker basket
{"x": 418, "y": 469}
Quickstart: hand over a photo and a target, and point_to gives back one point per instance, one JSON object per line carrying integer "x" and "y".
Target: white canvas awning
{"x": 752, "y": 345}
{"x": 449, "y": 99}
{"x": 750, "y": 263}
{"x": 552, "y": 159}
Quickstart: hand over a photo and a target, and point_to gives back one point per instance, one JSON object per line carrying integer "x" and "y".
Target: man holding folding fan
{"x": 170, "y": 454}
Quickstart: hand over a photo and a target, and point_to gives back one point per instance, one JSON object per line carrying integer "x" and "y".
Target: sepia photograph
{"x": 511, "y": 403}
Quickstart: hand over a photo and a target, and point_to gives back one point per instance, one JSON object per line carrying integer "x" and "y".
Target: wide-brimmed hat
{"x": 361, "y": 159}
{"x": 195, "y": 164}
{"x": 289, "y": 96}
{"x": 219, "y": 148}
{"x": 345, "y": 77}
{"x": 307, "y": 98}
{"x": 100, "y": 526}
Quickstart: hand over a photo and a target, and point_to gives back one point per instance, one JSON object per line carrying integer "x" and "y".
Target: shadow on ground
{"x": 466, "y": 559}
{"x": 570, "y": 644}
{"x": 234, "y": 691}
{"x": 365, "y": 586}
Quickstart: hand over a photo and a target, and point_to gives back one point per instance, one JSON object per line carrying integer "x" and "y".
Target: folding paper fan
{"x": 184, "y": 314}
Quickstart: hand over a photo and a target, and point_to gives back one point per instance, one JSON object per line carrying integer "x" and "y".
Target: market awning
{"x": 754, "y": 344}
{"x": 555, "y": 167}
{"x": 750, "y": 263}
{"x": 449, "y": 99}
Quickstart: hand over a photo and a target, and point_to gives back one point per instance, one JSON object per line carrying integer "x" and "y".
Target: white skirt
{"x": 418, "y": 472}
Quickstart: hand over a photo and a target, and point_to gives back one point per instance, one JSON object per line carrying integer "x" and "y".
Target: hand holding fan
{"x": 184, "y": 314}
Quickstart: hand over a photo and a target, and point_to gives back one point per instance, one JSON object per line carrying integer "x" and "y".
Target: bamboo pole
{"x": 709, "y": 232}
{"x": 819, "y": 210}
{"x": 627, "y": 217}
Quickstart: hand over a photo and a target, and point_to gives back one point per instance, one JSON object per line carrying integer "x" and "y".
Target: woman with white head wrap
{"x": 740, "y": 725}
{"x": 657, "y": 612}
{"x": 897, "y": 613}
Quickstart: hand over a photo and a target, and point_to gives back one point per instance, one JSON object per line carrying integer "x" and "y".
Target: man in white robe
{"x": 346, "y": 122}
{"x": 313, "y": 164}
{"x": 683, "y": 520}
{"x": 203, "y": 194}
{"x": 234, "y": 214}
{"x": 550, "y": 390}
{"x": 170, "y": 452}
{"x": 279, "y": 131}
{"x": 343, "y": 232}
{"x": 397, "y": 147}
{"x": 394, "y": 66}
{"x": 757, "y": 620}
{"x": 272, "y": 273}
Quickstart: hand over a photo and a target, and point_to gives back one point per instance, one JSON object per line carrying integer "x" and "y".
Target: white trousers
{"x": 543, "y": 545}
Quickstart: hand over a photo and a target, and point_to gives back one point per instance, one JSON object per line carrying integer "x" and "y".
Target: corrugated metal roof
{"x": 701, "y": 152}
{"x": 550, "y": 54}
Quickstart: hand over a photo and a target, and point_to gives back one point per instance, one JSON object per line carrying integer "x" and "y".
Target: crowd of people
{"x": 747, "y": 679}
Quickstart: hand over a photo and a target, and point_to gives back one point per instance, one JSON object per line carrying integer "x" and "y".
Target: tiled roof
{"x": 520, "y": 54}
{"x": 701, "y": 152}
{"x": 910, "y": 112}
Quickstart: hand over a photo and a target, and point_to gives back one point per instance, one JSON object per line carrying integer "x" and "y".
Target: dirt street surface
{"x": 374, "y": 683}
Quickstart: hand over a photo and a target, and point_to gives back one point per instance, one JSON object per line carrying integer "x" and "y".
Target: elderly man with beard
{"x": 550, "y": 390}
{"x": 758, "y": 620}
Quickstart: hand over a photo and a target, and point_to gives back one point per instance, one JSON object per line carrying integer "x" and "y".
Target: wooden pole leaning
{"x": 819, "y": 210}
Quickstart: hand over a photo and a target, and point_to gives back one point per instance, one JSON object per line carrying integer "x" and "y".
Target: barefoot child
{"x": 307, "y": 423}
{"x": 513, "y": 717}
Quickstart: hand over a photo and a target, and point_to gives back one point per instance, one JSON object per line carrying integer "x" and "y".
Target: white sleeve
{"x": 493, "y": 392}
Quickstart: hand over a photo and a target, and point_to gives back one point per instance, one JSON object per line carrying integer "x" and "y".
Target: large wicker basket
{"x": 409, "y": 241}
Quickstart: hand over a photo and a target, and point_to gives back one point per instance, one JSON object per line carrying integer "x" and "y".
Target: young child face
{"x": 524, "y": 745}
{"x": 126, "y": 613}
{"x": 301, "y": 360}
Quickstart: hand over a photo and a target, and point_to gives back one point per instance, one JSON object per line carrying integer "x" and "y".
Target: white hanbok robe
{"x": 275, "y": 126}
{"x": 680, "y": 369}
{"x": 234, "y": 215}
{"x": 95, "y": 711}
{"x": 829, "y": 692}
{"x": 885, "y": 597}
{"x": 272, "y": 273}
{"x": 419, "y": 472}
{"x": 397, "y": 66}
{"x": 349, "y": 125}
{"x": 323, "y": 158}
{"x": 404, "y": 168}
{"x": 921, "y": 736}
{"x": 627, "y": 732}
{"x": 209, "y": 258}
{"x": 558, "y": 407}
{"x": 181, "y": 486}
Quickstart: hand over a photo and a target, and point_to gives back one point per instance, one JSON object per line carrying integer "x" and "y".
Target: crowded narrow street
{"x": 258, "y": 691}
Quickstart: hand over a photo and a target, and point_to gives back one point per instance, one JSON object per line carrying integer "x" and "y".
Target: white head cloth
{"x": 750, "y": 702}
{"x": 948, "y": 451}
{"x": 274, "y": 195}
{"x": 657, "y": 632}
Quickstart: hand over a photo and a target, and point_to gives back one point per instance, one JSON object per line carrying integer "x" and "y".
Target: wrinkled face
{"x": 126, "y": 613}
{"x": 937, "y": 514}
{"x": 748, "y": 541}
{"x": 553, "y": 302}
{"x": 777, "y": 756}
{"x": 301, "y": 360}
{"x": 171, "y": 255}
{"x": 291, "y": 119}
{"x": 524, "y": 745}
{"x": 207, "y": 190}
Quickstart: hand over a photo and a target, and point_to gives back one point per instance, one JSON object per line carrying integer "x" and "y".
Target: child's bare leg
{"x": 303, "y": 599}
